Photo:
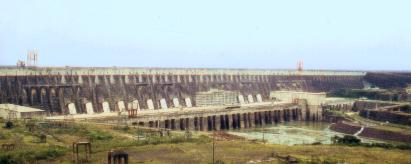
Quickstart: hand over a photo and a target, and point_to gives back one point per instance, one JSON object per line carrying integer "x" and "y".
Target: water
{"x": 291, "y": 133}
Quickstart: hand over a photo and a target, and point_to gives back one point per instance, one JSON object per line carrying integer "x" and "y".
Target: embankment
{"x": 369, "y": 132}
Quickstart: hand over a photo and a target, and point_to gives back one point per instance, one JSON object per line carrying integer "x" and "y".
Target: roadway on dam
{"x": 146, "y": 114}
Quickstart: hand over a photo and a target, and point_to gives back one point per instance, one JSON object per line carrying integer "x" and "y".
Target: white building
{"x": 316, "y": 99}
{"x": 11, "y": 111}
{"x": 216, "y": 97}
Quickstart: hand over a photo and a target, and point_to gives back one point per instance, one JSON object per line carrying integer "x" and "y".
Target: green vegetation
{"x": 8, "y": 125}
{"x": 354, "y": 141}
{"x": 406, "y": 108}
{"x": 178, "y": 147}
{"x": 386, "y": 95}
{"x": 4, "y": 136}
{"x": 346, "y": 140}
{"x": 334, "y": 113}
{"x": 397, "y": 128}
{"x": 30, "y": 155}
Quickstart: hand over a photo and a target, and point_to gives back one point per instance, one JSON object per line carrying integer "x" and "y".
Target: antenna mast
{"x": 32, "y": 58}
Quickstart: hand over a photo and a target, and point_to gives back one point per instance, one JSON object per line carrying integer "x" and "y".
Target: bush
{"x": 4, "y": 136}
{"x": 204, "y": 139}
{"x": 30, "y": 156}
{"x": 98, "y": 135}
{"x": 71, "y": 130}
{"x": 404, "y": 146}
{"x": 331, "y": 161}
{"x": 8, "y": 125}
{"x": 354, "y": 141}
{"x": 49, "y": 153}
{"x": 7, "y": 158}
{"x": 381, "y": 145}
{"x": 125, "y": 128}
{"x": 347, "y": 140}
{"x": 406, "y": 108}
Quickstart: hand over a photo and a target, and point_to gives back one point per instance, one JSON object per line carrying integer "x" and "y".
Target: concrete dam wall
{"x": 389, "y": 79}
{"x": 221, "y": 120}
{"x": 64, "y": 90}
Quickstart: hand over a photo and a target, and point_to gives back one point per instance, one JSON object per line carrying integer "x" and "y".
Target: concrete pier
{"x": 215, "y": 118}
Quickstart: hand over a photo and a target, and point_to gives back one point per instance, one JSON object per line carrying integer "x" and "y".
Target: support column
{"x": 287, "y": 115}
{"x": 181, "y": 122}
{"x": 210, "y": 123}
{"x": 191, "y": 124}
{"x": 295, "y": 114}
{"x": 275, "y": 116}
{"x": 167, "y": 124}
{"x": 173, "y": 124}
{"x": 250, "y": 120}
{"x": 235, "y": 121}
{"x": 262, "y": 118}
{"x": 151, "y": 124}
{"x": 299, "y": 114}
{"x": 269, "y": 117}
{"x": 256, "y": 120}
{"x": 196, "y": 124}
{"x": 162, "y": 124}
{"x": 242, "y": 119}
{"x": 222, "y": 122}
{"x": 228, "y": 121}
{"x": 281, "y": 115}
{"x": 239, "y": 121}
{"x": 203, "y": 123}
{"x": 217, "y": 125}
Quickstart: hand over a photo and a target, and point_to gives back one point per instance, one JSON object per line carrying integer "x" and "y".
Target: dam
{"x": 95, "y": 90}
{"x": 213, "y": 118}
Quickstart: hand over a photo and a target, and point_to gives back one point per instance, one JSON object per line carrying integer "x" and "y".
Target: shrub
{"x": 7, "y": 158}
{"x": 404, "y": 146}
{"x": 30, "y": 156}
{"x": 354, "y": 141}
{"x": 4, "y": 136}
{"x": 49, "y": 153}
{"x": 204, "y": 139}
{"x": 331, "y": 161}
{"x": 406, "y": 108}
{"x": 8, "y": 125}
{"x": 347, "y": 140}
{"x": 125, "y": 128}
{"x": 98, "y": 135}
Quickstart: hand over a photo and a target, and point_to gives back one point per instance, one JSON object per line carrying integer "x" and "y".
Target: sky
{"x": 266, "y": 34}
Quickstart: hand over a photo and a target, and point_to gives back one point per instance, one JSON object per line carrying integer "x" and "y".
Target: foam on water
{"x": 292, "y": 133}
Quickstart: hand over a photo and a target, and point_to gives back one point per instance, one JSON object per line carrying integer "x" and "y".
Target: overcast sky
{"x": 326, "y": 34}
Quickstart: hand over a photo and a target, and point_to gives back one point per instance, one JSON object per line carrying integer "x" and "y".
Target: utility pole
{"x": 263, "y": 130}
{"x": 263, "y": 136}
{"x": 213, "y": 146}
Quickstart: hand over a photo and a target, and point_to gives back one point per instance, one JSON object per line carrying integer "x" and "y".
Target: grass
{"x": 177, "y": 148}
{"x": 242, "y": 152}
{"x": 32, "y": 154}
{"x": 404, "y": 129}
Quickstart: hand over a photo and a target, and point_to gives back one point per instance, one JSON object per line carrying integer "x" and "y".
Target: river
{"x": 292, "y": 133}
